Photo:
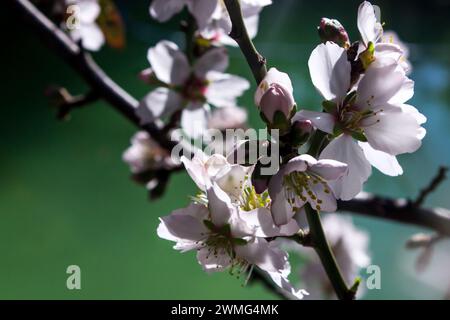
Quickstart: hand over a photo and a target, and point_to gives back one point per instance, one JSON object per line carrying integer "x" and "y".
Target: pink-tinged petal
{"x": 325, "y": 201}
{"x": 345, "y": 149}
{"x": 159, "y": 103}
{"x": 261, "y": 254}
{"x": 224, "y": 89}
{"x": 379, "y": 85}
{"x": 219, "y": 205}
{"x": 184, "y": 224}
{"x": 273, "y": 76}
{"x": 396, "y": 132}
{"x": 330, "y": 71}
{"x": 213, "y": 60}
{"x": 369, "y": 27}
{"x": 232, "y": 179}
{"x": 196, "y": 170}
{"x": 281, "y": 210}
{"x": 212, "y": 261}
{"x": 194, "y": 121}
{"x": 321, "y": 120}
{"x": 169, "y": 63}
{"x": 383, "y": 161}
{"x": 421, "y": 119}
{"x": 261, "y": 222}
{"x": 202, "y": 10}
{"x": 329, "y": 169}
{"x": 405, "y": 93}
{"x": 163, "y": 10}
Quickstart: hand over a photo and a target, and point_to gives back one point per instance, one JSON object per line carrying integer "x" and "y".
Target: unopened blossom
{"x": 189, "y": 88}
{"x": 350, "y": 247}
{"x": 85, "y": 28}
{"x": 213, "y": 21}
{"x": 332, "y": 30}
{"x": 372, "y": 124}
{"x": 223, "y": 239}
{"x": 302, "y": 180}
{"x": 146, "y": 154}
{"x": 275, "y": 93}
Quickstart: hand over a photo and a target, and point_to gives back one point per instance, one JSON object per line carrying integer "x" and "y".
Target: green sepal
{"x": 209, "y": 225}
{"x": 329, "y": 106}
{"x": 239, "y": 242}
{"x": 337, "y": 130}
{"x": 356, "y": 283}
{"x": 359, "y": 135}
{"x": 350, "y": 98}
{"x": 367, "y": 56}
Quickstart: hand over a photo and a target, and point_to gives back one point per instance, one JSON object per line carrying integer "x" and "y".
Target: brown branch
{"x": 86, "y": 67}
{"x": 400, "y": 210}
{"x": 437, "y": 180}
{"x": 239, "y": 33}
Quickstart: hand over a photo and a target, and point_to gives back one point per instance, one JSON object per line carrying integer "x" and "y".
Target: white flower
{"x": 219, "y": 26}
{"x": 223, "y": 239}
{"x": 377, "y": 113}
{"x": 86, "y": 29}
{"x": 386, "y": 45}
{"x": 145, "y": 154}
{"x": 189, "y": 88}
{"x": 275, "y": 93}
{"x": 350, "y": 247}
{"x": 231, "y": 117}
{"x": 303, "y": 180}
{"x": 202, "y": 10}
{"x": 212, "y": 17}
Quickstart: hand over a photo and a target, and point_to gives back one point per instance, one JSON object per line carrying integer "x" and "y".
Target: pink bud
{"x": 276, "y": 98}
{"x": 303, "y": 126}
{"x": 147, "y": 75}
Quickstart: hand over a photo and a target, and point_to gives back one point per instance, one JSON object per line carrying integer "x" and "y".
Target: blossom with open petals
{"x": 189, "y": 88}
{"x": 86, "y": 29}
{"x": 372, "y": 124}
{"x": 302, "y": 180}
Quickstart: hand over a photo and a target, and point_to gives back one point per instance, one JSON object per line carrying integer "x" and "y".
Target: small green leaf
{"x": 359, "y": 135}
{"x": 329, "y": 106}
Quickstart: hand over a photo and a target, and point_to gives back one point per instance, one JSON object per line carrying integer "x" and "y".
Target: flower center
{"x": 301, "y": 185}
{"x": 194, "y": 89}
{"x": 251, "y": 200}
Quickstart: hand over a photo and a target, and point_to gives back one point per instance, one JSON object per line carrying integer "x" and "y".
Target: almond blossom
{"x": 211, "y": 16}
{"x": 302, "y": 180}
{"x": 189, "y": 88}
{"x": 373, "y": 36}
{"x": 228, "y": 234}
{"x": 372, "y": 124}
{"x": 85, "y": 29}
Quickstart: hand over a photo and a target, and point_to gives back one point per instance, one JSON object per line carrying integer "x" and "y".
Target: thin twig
{"x": 400, "y": 210}
{"x": 239, "y": 33}
{"x": 437, "y": 180}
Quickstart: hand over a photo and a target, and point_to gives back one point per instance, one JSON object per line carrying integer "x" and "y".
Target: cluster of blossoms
{"x": 240, "y": 217}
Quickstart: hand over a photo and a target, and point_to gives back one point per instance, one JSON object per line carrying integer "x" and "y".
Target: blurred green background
{"x": 66, "y": 197}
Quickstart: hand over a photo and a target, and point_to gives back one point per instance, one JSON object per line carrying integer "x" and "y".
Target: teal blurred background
{"x": 66, "y": 197}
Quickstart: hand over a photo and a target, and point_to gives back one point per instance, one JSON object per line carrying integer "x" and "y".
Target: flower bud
{"x": 148, "y": 76}
{"x": 332, "y": 30}
{"x": 276, "y": 98}
{"x": 301, "y": 131}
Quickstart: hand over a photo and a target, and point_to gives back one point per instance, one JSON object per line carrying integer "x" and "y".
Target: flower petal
{"x": 346, "y": 150}
{"x": 211, "y": 261}
{"x": 330, "y": 71}
{"x": 329, "y": 169}
{"x": 163, "y": 10}
{"x": 158, "y": 103}
{"x": 194, "y": 121}
{"x": 169, "y": 63}
{"x": 369, "y": 27}
{"x": 184, "y": 224}
{"x": 219, "y": 205}
{"x": 224, "y": 88}
{"x": 213, "y": 60}
{"x": 396, "y": 132}
{"x": 383, "y": 161}
{"x": 321, "y": 120}
{"x": 202, "y": 10}
{"x": 261, "y": 254}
